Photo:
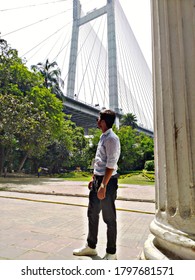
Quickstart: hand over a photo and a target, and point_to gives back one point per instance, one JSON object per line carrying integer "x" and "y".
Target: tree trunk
{"x": 2, "y": 158}
{"x": 22, "y": 162}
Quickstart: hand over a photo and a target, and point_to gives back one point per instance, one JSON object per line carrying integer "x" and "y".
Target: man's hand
{"x": 90, "y": 184}
{"x": 101, "y": 194}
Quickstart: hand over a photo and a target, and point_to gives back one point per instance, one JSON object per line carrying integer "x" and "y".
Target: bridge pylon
{"x": 78, "y": 21}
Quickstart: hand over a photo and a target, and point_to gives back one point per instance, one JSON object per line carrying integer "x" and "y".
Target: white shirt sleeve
{"x": 112, "y": 152}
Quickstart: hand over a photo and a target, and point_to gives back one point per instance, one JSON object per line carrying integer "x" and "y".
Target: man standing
{"x": 103, "y": 189}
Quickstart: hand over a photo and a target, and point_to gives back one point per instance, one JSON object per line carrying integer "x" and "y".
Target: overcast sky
{"x": 139, "y": 16}
{"x": 137, "y": 12}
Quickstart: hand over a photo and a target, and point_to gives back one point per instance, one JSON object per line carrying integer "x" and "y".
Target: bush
{"x": 149, "y": 165}
{"x": 75, "y": 174}
{"x": 149, "y": 175}
{"x": 129, "y": 174}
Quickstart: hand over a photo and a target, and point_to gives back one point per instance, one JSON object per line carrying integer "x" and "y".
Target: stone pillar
{"x": 173, "y": 228}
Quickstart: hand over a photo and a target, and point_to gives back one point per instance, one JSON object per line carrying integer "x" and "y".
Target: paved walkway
{"x": 45, "y": 218}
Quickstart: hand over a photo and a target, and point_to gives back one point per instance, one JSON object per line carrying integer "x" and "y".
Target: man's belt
{"x": 100, "y": 177}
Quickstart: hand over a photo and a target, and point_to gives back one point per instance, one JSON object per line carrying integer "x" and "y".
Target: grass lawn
{"x": 137, "y": 179}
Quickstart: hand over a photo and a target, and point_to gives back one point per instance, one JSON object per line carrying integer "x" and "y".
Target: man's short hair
{"x": 108, "y": 116}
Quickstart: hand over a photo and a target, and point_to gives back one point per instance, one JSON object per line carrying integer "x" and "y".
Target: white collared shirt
{"x": 108, "y": 153}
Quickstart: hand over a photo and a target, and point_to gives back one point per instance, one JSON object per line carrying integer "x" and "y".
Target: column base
{"x": 167, "y": 244}
{"x": 151, "y": 252}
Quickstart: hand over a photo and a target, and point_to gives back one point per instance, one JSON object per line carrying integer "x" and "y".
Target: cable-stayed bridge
{"x": 101, "y": 62}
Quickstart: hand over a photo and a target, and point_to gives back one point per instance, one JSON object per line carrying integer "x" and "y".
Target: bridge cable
{"x": 82, "y": 66}
{"x": 34, "y": 23}
{"x": 63, "y": 46}
{"x": 131, "y": 57}
{"x": 88, "y": 62}
{"x": 125, "y": 68}
{"x": 92, "y": 65}
{"x": 30, "y": 6}
{"x": 121, "y": 65}
{"x": 79, "y": 50}
{"x": 99, "y": 56}
{"x": 44, "y": 40}
{"x": 55, "y": 43}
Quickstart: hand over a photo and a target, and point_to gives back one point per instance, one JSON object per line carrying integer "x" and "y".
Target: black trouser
{"x": 107, "y": 206}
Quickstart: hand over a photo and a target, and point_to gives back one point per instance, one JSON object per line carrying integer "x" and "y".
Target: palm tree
{"x": 51, "y": 73}
{"x": 129, "y": 120}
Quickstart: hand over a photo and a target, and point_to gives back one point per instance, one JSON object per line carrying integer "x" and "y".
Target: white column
{"x": 173, "y": 229}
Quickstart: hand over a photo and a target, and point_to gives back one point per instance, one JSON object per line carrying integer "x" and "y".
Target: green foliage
{"x": 67, "y": 151}
{"x": 137, "y": 178}
{"x": 128, "y": 175}
{"x": 77, "y": 176}
{"x": 149, "y": 175}
{"x": 14, "y": 75}
{"x": 129, "y": 120}
{"x": 91, "y": 146}
{"x": 135, "y": 148}
{"x": 129, "y": 154}
{"x": 51, "y": 75}
{"x": 31, "y": 117}
{"x": 149, "y": 165}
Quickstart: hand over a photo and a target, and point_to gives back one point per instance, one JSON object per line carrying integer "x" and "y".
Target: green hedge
{"x": 149, "y": 175}
{"x": 149, "y": 165}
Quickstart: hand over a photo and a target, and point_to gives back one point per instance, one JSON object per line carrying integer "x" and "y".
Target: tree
{"x": 62, "y": 153}
{"x": 129, "y": 155}
{"x": 146, "y": 146}
{"x": 129, "y": 120}
{"x": 8, "y": 60}
{"x": 31, "y": 116}
{"x": 29, "y": 123}
{"x": 51, "y": 74}
{"x": 91, "y": 147}
{"x": 15, "y": 78}
{"x": 43, "y": 123}
{"x": 78, "y": 155}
